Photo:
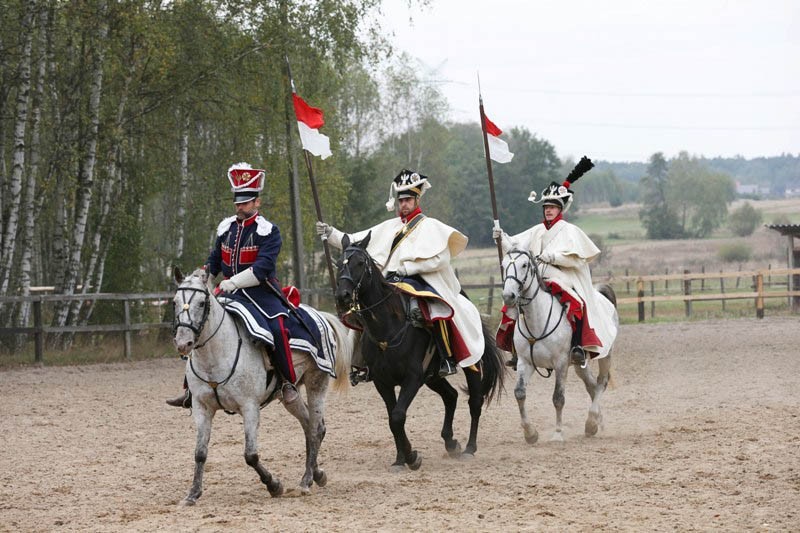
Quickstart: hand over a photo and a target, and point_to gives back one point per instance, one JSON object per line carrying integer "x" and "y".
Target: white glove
{"x": 324, "y": 230}
{"x": 547, "y": 257}
{"x": 402, "y": 271}
{"x": 242, "y": 280}
{"x": 497, "y": 233}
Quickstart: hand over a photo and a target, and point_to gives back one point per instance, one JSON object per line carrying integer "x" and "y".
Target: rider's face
{"x": 247, "y": 209}
{"x": 551, "y": 212}
{"x": 406, "y": 205}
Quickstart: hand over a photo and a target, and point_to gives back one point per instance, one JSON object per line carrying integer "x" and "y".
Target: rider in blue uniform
{"x": 246, "y": 252}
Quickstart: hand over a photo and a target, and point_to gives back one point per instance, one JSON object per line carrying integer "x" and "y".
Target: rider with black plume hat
{"x": 568, "y": 250}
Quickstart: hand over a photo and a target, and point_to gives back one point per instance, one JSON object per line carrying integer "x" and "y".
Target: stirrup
{"x": 512, "y": 362}
{"x": 358, "y": 375}
{"x": 184, "y": 401}
{"x": 446, "y": 368}
{"x": 578, "y": 356}
{"x": 288, "y": 389}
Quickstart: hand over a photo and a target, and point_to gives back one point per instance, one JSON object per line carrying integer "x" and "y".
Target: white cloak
{"x": 426, "y": 251}
{"x": 572, "y": 251}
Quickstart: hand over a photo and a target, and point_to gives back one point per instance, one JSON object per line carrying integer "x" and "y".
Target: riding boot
{"x": 578, "y": 354}
{"x": 513, "y": 361}
{"x": 184, "y": 400}
{"x": 447, "y": 367}
{"x": 289, "y": 392}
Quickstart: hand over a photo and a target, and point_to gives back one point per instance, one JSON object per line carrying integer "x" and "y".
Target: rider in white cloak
{"x": 565, "y": 252}
{"x": 414, "y": 252}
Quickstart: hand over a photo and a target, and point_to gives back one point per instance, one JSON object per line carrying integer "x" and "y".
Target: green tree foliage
{"x": 744, "y": 220}
{"x": 658, "y": 219}
{"x": 699, "y": 196}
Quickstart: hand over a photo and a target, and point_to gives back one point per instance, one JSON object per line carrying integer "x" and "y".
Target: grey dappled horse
{"x": 542, "y": 340}
{"x": 226, "y": 370}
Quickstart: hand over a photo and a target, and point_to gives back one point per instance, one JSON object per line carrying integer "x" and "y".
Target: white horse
{"x": 226, "y": 370}
{"x": 542, "y": 340}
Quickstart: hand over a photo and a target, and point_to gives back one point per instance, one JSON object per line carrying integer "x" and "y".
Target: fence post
{"x": 640, "y": 295}
{"x": 491, "y": 296}
{"x": 702, "y": 280}
{"x": 653, "y": 303}
{"x": 127, "y": 306}
{"x": 760, "y": 297}
{"x": 687, "y": 290}
{"x": 627, "y": 283}
{"x": 722, "y": 288}
{"x": 38, "y": 339}
{"x": 666, "y": 281}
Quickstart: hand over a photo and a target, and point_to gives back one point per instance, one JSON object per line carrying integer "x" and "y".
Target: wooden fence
{"x": 762, "y": 286}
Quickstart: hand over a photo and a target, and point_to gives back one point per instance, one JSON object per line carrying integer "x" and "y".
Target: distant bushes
{"x": 743, "y": 221}
{"x": 737, "y": 252}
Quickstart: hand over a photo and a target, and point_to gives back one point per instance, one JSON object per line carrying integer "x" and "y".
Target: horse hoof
{"x": 417, "y": 462}
{"x": 532, "y": 438}
{"x": 455, "y": 451}
{"x": 320, "y": 478}
{"x": 557, "y": 437}
{"x": 467, "y": 456}
{"x": 277, "y": 490}
{"x": 186, "y": 502}
{"x": 304, "y": 491}
{"x": 591, "y": 428}
{"x": 397, "y": 468}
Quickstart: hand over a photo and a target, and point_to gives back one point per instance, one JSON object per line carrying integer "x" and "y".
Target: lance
{"x": 314, "y": 193}
{"x": 491, "y": 179}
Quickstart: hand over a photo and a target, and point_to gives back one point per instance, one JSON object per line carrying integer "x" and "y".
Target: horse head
{"x": 355, "y": 269}
{"x": 519, "y": 273}
{"x": 191, "y": 305}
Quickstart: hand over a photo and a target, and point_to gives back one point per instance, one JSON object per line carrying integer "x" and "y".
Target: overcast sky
{"x": 618, "y": 79}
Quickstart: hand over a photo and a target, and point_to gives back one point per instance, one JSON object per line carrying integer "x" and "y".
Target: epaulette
{"x": 225, "y": 225}
{"x": 264, "y": 226}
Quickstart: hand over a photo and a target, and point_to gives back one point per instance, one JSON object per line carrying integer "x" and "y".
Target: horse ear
{"x": 345, "y": 241}
{"x": 177, "y": 275}
{"x": 365, "y": 242}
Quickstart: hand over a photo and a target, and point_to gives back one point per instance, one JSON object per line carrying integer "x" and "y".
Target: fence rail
{"x": 760, "y": 292}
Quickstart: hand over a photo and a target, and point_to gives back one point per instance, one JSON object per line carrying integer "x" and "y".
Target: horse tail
{"x": 608, "y": 291}
{"x": 345, "y": 345}
{"x": 493, "y": 371}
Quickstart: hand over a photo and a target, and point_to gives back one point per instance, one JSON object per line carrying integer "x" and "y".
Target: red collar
{"x": 549, "y": 225}
{"x": 411, "y": 215}
{"x": 250, "y": 220}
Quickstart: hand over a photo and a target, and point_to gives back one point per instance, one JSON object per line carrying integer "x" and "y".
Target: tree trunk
{"x": 12, "y": 206}
{"x": 86, "y": 177}
{"x": 180, "y": 215}
{"x": 29, "y": 203}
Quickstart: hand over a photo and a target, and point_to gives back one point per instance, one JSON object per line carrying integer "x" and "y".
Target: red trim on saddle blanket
{"x": 292, "y": 294}
{"x": 575, "y": 311}
{"x": 287, "y": 350}
{"x": 505, "y": 333}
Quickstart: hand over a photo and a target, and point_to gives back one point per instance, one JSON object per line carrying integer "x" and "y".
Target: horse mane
{"x": 346, "y": 343}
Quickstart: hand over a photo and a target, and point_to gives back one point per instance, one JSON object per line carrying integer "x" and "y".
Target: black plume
{"x": 583, "y": 166}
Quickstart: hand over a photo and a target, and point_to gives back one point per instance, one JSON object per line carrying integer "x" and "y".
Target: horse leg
{"x": 450, "y": 399}
{"x": 397, "y": 408}
{"x": 595, "y": 388}
{"x": 475, "y": 406}
{"x": 250, "y": 414}
{"x": 524, "y": 373}
{"x": 311, "y": 418}
{"x": 562, "y": 366}
{"x": 202, "y": 420}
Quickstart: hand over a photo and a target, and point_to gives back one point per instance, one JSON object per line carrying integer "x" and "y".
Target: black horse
{"x": 399, "y": 354}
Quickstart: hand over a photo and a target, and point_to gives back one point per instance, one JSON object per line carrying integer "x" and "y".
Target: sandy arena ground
{"x": 701, "y": 432}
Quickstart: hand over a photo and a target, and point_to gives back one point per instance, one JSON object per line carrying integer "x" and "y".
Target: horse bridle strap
{"x": 215, "y": 384}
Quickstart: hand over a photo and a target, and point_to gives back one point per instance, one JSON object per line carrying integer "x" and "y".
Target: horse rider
{"x": 246, "y": 253}
{"x": 414, "y": 253}
{"x": 566, "y": 252}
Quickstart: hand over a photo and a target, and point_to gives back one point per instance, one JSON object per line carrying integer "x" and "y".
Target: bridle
{"x": 525, "y": 283}
{"x": 177, "y": 321}
{"x": 345, "y": 273}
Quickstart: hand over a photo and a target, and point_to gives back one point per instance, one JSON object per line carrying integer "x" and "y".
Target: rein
{"x": 197, "y": 330}
{"x": 356, "y": 308}
{"x": 524, "y": 302}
